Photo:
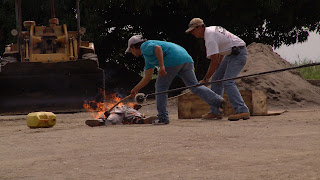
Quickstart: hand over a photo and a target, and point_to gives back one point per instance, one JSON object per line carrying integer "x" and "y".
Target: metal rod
{"x": 53, "y": 12}
{"x": 118, "y": 103}
{"x": 239, "y": 77}
{"x": 78, "y": 26}
{"x": 78, "y": 15}
{"x": 19, "y": 26}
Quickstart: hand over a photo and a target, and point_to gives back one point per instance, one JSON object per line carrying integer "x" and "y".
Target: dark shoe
{"x": 223, "y": 103}
{"x": 159, "y": 122}
{"x": 236, "y": 117}
{"x": 211, "y": 116}
{"x": 150, "y": 119}
{"x": 93, "y": 123}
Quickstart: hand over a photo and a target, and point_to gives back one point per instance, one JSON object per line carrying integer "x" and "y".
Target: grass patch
{"x": 312, "y": 72}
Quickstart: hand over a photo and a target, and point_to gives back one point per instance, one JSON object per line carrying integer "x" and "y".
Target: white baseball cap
{"x": 194, "y": 23}
{"x": 134, "y": 40}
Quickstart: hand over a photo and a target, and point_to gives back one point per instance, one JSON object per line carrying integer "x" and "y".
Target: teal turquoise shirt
{"x": 173, "y": 54}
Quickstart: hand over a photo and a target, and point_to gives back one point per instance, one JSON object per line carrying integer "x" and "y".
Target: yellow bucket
{"x": 41, "y": 119}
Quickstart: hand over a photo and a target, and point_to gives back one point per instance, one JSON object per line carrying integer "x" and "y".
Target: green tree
{"x": 109, "y": 24}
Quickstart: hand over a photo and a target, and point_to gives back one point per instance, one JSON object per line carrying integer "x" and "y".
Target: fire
{"x": 98, "y": 109}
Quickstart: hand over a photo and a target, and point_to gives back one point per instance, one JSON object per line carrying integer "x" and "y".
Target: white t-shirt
{"x": 220, "y": 41}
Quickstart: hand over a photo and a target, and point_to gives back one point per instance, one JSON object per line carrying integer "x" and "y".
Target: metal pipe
{"x": 78, "y": 26}
{"x": 78, "y": 16}
{"x": 239, "y": 77}
{"x": 75, "y": 48}
{"x": 53, "y": 12}
{"x": 71, "y": 49}
{"x": 18, "y": 26}
{"x": 27, "y": 51}
{"x": 107, "y": 113}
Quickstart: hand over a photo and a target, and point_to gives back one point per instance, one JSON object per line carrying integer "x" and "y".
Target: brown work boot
{"x": 236, "y": 117}
{"x": 150, "y": 119}
{"x": 97, "y": 122}
{"x": 210, "y": 116}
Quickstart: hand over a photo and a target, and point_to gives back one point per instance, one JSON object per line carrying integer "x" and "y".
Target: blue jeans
{"x": 230, "y": 67}
{"x": 186, "y": 73}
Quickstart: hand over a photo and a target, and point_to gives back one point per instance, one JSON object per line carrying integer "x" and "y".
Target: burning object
{"x": 116, "y": 113}
{"x": 124, "y": 115}
{"x": 121, "y": 114}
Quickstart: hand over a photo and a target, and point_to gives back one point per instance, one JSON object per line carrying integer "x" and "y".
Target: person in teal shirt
{"x": 173, "y": 54}
{"x": 172, "y": 60}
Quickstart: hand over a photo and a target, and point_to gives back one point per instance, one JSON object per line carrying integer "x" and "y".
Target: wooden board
{"x": 274, "y": 113}
{"x": 192, "y": 106}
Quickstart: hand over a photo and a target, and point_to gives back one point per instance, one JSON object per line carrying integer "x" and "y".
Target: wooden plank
{"x": 274, "y": 113}
{"x": 259, "y": 103}
{"x": 247, "y": 98}
{"x": 192, "y": 106}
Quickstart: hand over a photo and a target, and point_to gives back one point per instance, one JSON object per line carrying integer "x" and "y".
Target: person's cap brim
{"x": 190, "y": 29}
{"x": 127, "y": 50}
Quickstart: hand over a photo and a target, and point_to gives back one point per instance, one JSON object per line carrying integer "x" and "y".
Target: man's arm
{"x": 144, "y": 81}
{"x": 159, "y": 53}
{"x": 214, "y": 64}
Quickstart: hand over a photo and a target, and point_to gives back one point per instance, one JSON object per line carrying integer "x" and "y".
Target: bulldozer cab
{"x": 51, "y": 43}
{"x": 49, "y": 67}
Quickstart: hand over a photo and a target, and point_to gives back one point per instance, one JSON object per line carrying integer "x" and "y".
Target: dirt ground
{"x": 286, "y": 146}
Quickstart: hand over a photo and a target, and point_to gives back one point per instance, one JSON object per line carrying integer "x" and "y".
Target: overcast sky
{"x": 309, "y": 50}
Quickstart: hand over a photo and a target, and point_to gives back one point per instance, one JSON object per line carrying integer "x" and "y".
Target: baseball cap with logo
{"x": 194, "y": 23}
{"x": 134, "y": 40}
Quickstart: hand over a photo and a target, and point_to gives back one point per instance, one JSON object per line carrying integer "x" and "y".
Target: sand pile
{"x": 283, "y": 89}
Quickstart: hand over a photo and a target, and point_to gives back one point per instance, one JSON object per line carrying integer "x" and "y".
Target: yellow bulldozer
{"x": 49, "y": 68}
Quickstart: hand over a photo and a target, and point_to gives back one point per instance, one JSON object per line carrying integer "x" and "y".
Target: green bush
{"x": 312, "y": 72}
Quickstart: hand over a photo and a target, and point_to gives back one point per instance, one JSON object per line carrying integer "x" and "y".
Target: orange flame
{"x": 98, "y": 109}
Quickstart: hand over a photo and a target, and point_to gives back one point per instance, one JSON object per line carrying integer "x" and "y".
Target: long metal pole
{"x": 18, "y": 26}
{"x": 78, "y": 25}
{"x": 239, "y": 77}
{"x": 53, "y": 12}
{"x": 78, "y": 15}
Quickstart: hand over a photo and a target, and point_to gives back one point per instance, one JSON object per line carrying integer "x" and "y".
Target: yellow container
{"x": 41, "y": 119}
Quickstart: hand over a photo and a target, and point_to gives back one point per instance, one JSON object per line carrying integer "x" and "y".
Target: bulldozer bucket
{"x": 61, "y": 86}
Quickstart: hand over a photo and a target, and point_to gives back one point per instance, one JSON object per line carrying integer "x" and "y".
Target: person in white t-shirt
{"x": 228, "y": 55}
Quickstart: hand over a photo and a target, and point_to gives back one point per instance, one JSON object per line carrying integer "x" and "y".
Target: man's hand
{"x": 144, "y": 81}
{"x": 162, "y": 71}
{"x": 214, "y": 64}
{"x": 133, "y": 92}
{"x": 204, "y": 80}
